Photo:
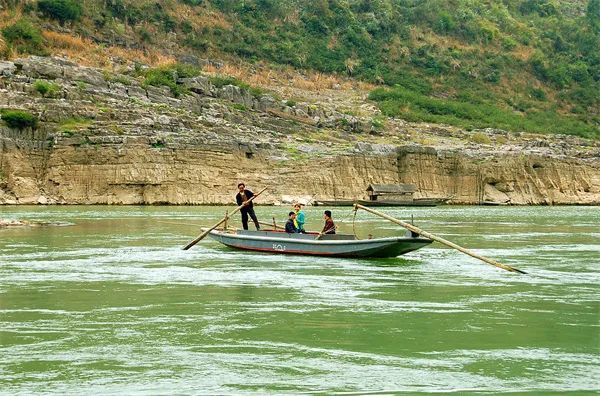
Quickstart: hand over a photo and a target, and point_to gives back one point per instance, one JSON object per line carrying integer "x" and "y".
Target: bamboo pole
{"x": 172, "y": 222}
{"x": 428, "y": 235}
{"x": 224, "y": 219}
{"x": 275, "y": 226}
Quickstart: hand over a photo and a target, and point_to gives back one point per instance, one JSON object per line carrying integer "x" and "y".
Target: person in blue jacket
{"x": 299, "y": 222}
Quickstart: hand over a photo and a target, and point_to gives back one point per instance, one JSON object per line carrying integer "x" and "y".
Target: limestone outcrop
{"x": 101, "y": 141}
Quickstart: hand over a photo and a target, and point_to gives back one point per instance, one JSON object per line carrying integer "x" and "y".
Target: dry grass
{"x": 199, "y": 17}
{"x": 293, "y": 17}
{"x": 523, "y": 52}
{"x": 66, "y": 41}
{"x": 266, "y": 77}
{"x": 10, "y": 17}
{"x": 431, "y": 37}
{"x": 87, "y": 53}
{"x": 149, "y": 57}
{"x": 3, "y": 48}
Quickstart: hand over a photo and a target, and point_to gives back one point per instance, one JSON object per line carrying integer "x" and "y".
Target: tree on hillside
{"x": 61, "y": 10}
{"x": 593, "y": 14}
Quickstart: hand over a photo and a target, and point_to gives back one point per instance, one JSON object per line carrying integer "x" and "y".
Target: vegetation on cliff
{"x": 529, "y": 65}
{"x": 18, "y": 119}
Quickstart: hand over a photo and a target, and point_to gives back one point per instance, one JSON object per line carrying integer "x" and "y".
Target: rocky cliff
{"x": 107, "y": 139}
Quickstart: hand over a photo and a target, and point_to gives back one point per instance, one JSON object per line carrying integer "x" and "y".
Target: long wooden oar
{"x": 275, "y": 226}
{"x": 426, "y": 234}
{"x": 205, "y": 233}
{"x": 325, "y": 232}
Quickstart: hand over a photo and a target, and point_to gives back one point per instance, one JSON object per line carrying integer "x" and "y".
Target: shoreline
{"x": 286, "y": 204}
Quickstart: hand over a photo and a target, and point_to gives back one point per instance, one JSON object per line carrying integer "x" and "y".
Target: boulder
{"x": 85, "y": 74}
{"x": 36, "y": 67}
{"x": 200, "y": 85}
{"x": 7, "y": 69}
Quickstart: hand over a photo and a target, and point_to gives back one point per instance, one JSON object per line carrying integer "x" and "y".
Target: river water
{"x": 106, "y": 302}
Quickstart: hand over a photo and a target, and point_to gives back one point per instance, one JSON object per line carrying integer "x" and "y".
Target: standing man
{"x": 242, "y": 198}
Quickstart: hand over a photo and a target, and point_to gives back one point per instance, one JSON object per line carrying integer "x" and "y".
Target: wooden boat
{"x": 336, "y": 245}
{"x": 413, "y": 202}
{"x": 333, "y": 202}
{"x": 386, "y": 202}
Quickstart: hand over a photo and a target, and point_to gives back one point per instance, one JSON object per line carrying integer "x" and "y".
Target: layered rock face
{"x": 106, "y": 142}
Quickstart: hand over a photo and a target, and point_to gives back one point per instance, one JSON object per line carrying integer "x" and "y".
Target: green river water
{"x": 108, "y": 303}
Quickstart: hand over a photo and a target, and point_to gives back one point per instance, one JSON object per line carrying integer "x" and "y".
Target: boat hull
{"x": 329, "y": 245}
{"x": 389, "y": 202}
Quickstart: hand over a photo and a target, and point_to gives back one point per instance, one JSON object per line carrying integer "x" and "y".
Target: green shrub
{"x": 46, "y": 89}
{"x": 508, "y": 43}
{"x": 61, "y": 10}
{"x": 579, "y": 72}
{"x": 167, "y": 76}
{"x": 290, "y": 103}
{"x": 168, "y": 23}
{"x": 18, "y": 119}
{"x": 543, "y": 8}
{"x": 25, "y": 38}
{"x": 445, "y": 23}
{"x": 115, "y": 78}
{"x": 145, "y": 36}
{"x": 537, "y": 93}
{"x": 378, "y": 122}
{"x": 593, "y": 14}
{"x": 539, "y": 65}
{"x": 239, "y": 106}
{"x": 481, "y": 138}
{"x": 75, "y": 124}
{"x": 195, "y": 42}
{"x": 221, "y": 81}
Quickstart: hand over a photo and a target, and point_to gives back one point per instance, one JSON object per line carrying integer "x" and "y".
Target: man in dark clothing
{"x": 329, "y": 227}
{"x": 242, "y": 198}
{"x": 290, "y": 227}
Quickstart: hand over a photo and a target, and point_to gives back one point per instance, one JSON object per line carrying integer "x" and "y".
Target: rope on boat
{"x": 354, "y": 223}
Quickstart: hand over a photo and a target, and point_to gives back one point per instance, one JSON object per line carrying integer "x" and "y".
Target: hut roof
{"x": 392, "y": 188}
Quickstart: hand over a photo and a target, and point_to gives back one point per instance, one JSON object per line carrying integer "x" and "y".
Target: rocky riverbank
{"x": 105, "y": 138}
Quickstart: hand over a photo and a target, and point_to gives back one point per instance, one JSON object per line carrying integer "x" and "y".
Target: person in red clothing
{"x": 242, "y": 198}
{"x": 329, "y": 227}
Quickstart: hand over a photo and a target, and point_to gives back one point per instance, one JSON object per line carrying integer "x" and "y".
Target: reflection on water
{"x": 112, "y": 304}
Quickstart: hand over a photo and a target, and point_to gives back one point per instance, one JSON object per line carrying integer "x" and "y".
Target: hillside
{"x": 175, "y": 102}
{"x": 530, "y": 65}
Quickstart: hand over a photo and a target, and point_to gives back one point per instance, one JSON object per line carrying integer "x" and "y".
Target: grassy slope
{"x": 530, "y": 65}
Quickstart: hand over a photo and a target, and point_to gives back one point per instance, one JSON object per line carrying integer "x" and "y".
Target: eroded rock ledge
{"x": 103, "y": 142}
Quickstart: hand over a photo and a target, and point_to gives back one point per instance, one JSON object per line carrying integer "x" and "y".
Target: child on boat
{"x": 299, "y": 221}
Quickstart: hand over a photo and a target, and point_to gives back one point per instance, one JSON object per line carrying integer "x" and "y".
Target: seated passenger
{"x": 290, "y": 227}
{"x": 329, "y": 227}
